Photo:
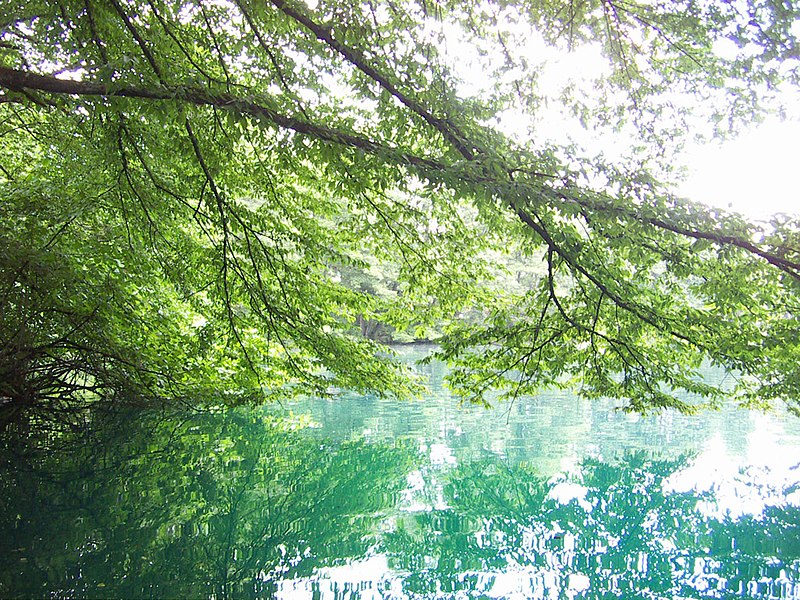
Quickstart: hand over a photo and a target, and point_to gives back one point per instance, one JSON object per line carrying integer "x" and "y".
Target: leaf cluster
{"x": 184, "y": 186}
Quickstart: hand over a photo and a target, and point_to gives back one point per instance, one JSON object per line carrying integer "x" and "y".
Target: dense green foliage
{"x": 188, "y": 189}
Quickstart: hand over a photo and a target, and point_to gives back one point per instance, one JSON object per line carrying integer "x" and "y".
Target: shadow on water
{"x": 190, "y": 506}
{"x": 369, "y": 498}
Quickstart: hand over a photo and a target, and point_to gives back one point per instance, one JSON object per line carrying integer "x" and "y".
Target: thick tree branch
{"x": 24, "y": 81}
{"x": 272, "y": 58}
{"x": 775, "y": 258}
{"x": 789, "y": 267}
{"x": 651, "y": 319}
{"x": 139, "y": 40}
{"x": 357, "y": 59}
{"x": 21, "y": 81}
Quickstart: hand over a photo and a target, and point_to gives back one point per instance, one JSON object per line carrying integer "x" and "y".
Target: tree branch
{"x": 354, "y": 56}
{"x": 22, "y": 81}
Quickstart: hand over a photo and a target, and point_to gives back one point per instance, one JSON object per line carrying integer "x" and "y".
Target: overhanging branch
{"x": 25, "y": 82}
{"x": 357, "y": 59}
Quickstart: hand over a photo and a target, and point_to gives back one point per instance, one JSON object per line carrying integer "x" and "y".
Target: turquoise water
{"x": 356, "y": 497}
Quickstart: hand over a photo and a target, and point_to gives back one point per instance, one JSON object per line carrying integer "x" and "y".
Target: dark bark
{"x": 447, "y": 129}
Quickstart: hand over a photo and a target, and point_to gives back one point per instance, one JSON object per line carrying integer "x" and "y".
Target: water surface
{"x": 356, "y": 497}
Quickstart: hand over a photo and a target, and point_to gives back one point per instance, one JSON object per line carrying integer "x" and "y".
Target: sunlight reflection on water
{"x": 571, "y": 543}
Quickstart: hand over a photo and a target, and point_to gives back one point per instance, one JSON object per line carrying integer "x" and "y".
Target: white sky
{"x": 757, "y": 174}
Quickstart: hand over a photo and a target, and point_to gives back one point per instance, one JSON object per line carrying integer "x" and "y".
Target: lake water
{"x": 551, "y": 497}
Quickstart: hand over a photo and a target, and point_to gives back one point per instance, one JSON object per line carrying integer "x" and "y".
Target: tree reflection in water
{"x": 238, "y": 503}
{"x": 209, "y": 505}
{"x": 614, "y": 530}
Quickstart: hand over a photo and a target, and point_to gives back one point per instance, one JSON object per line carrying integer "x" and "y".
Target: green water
{"x": 356, "y": 497}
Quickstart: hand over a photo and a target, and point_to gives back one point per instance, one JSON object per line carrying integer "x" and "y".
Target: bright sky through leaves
{"x": 755, "y": 174}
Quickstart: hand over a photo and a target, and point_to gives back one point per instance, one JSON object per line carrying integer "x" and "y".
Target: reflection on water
{"x": 552, "y": 497}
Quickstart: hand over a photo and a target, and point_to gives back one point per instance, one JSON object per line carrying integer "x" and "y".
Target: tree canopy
{"x": 184, "y": 183}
